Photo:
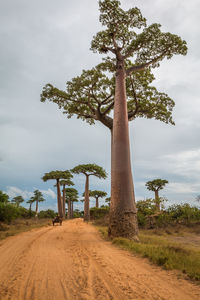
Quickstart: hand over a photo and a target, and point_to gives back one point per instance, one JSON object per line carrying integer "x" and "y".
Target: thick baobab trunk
{"x": 69, "y": 215}
{"x": 86, "y": 202}
{"x": 97, "y": 202}
{"x": 59, "y": 198}
{"x": 64, "y": 202}
{"x": 157, "y": 201}
{"x": 123, "y": 217}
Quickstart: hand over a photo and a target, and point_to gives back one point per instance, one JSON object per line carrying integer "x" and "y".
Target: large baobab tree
{"x": 126, "y": 36}
{"x": 57, "y": 175}
{"x": 71, "y": 195}
{"x": 97, "y": 194}
{"x": 64, "y": 183}
{"x": 89, "y": 170}
{"x": 156, "y": 185}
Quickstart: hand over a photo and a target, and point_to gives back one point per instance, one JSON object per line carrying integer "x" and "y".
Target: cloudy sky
{"x": 48, "y": 42}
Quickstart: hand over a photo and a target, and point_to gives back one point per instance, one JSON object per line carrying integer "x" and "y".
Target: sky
{"x": 48, "y": 42}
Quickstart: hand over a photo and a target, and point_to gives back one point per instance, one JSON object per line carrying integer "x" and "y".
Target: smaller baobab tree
{"x": 30, "y": 202}
{"x": 17, "y": 200}
{"x": 89, "y": 170}
{"x": 97, "y": 194}
{"x": 107, "y": 200}
{"x": 71, "y": 195}
{"x": 63, "y": 183}
{"x": 37, "y": 197}
{"x": 57, "y": 175}
{"x": 156, "y": 185}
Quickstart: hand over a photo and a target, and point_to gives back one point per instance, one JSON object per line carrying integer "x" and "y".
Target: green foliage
{"x": 66, "y": 182}
{"x": 49, "y": 213}
{"x": 57, "y": 175}
{"x": 97, "y": 213}
{"x": 97, "y": 194}
{"x": 4, "y": 198}
{"x": 37, "y": 196}
{"x": 71, "y": 194}
{"x": 90, "y": 169}
{"x": 17, "y": 200}
{"x": 91, "y": 97}
{"x": 179, "y": 213}
{"x": 107, "y": 200}
{"x": 147, "y": 45}
{"x": 9, "y": 212}
{"x": 145, "y": 208}
{"x": 156, "y": 184}
{"x": 78, "y": 214}
{"x": 183, "y": 213}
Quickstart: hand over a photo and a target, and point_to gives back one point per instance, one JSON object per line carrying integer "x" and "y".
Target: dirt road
{"x": 73, "y": 262}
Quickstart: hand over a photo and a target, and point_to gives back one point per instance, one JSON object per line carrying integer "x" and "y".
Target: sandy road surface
{"x": 73, "y": 262}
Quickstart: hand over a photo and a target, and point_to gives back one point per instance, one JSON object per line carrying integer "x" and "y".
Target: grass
{"x": 161, "y": 250}
{"x": 21, "y": 225}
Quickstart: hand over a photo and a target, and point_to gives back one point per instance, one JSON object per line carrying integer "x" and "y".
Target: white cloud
{"x": 49, "y": 193}
{"x": 14, "y": 191}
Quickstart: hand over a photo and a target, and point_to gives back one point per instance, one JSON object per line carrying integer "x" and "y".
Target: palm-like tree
{"x": 97, "y": 194}
{"x": 37, "y": 197}
{"x": 57, "y": 175}
{"x": 30, "y": 202}
{"x": 63, "y": 183}
{"x": 89, "y": 170}
{"x": 17, "y": 200}
{"x": 71, "y": 195}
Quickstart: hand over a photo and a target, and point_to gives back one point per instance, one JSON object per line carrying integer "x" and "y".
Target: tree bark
{"x": 123, "y": 218}
{"x": 59, "y": 198}
{"x": 97, "y": 202}
{"x": 36, "y": 209}
{"x": 86, "y": 202}
{"x": 72, "y": 210}
{"x": 157, "y": 201}
{"x": 64, "y": 202}
{"x": 69, "y": 215}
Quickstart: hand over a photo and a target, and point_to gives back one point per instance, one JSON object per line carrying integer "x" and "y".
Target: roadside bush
{"x": 8, "y": 212}
{"x": 97, "y": 213}
{"x": 176, "y": 214}
{"x": 49, "y": 213}
{"x": 184, "y": 213}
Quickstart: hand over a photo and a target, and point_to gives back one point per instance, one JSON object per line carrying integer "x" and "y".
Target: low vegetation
{"x": 21, "y": 225}
{"x": 170, "y": 239}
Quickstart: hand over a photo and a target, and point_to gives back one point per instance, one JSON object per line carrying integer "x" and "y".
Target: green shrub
{"x": 49, "y": 213}
{"x": 97, "y": 213}
{"x": 8, "y": 212}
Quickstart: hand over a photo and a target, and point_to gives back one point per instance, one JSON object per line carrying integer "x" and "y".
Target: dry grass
{"x": 171, "y": 248}
{"x": 21, "y": 225}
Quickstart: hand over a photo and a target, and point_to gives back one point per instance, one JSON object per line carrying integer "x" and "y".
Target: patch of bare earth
{"x": 73, "y": 262}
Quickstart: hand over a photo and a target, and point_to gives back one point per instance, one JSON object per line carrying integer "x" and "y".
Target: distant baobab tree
{"x": 63, "y": 183}
{"x": 57, "y": 175}
{"x": 89, "y": 170}
{"x": 156, "y": 185}
{"x": 17, "y": 200}
{"x": 71, "y": 195}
